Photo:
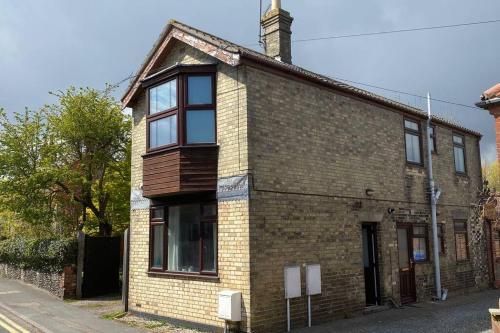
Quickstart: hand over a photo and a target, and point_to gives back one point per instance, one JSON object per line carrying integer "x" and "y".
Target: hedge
{"x": 46, "y": 255}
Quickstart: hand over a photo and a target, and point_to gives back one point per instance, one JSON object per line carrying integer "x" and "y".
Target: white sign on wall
{"x": 292, "y": 282}
{"x": 313, "y": 280}
{"x": 137, "y": 201}
{"x": 232, "y": 188}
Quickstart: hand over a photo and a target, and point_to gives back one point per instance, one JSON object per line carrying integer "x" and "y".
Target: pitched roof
{"x": 490, "y": 97}
{"x": 234, "y": 54}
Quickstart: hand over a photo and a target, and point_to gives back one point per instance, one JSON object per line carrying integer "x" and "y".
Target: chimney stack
{"x": 277, "y": 24}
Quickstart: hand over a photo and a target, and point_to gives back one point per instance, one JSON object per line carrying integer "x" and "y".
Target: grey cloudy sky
{"x": 51, "y": 44}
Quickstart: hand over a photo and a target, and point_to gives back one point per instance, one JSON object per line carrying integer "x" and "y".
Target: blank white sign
{"x": 313, "y": 279}
{"x": 292, "y": 282}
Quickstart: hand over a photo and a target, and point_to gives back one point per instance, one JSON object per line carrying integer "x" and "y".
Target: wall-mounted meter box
{"x": 230, "y": 305}
{"x": 292, "y": 282}
{"x": 313, "y": 280}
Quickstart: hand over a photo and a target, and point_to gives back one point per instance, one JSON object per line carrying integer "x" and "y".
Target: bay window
{"x": 181, "y": 107}
{"x": 183, "y": 239}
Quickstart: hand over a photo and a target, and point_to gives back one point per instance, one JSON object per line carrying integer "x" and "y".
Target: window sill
{"x": 414, "y": 165}
{"x": 462, "y": 175}
{"x": 184, "y": 276}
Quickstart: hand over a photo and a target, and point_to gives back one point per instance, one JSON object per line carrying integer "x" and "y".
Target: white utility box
{"x": 230, "y": 305}
{"x": 313, "y": 280}
{"x": 292, "y": 282}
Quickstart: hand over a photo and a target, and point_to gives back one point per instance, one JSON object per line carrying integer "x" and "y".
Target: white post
{"x": 437, "y": 269}
{"x": 288, "y": 315}
{"x": 309, "y": 310}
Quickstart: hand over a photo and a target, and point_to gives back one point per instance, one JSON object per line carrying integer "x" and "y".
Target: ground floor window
{"x": 183, "y": 238}
{"x": 461, "y": 241}
{"x": 419, "y": 242}
{"x": 440, "y": 229}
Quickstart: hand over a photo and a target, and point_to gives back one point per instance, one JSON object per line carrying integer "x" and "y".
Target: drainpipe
{"x": 434, "y": 199}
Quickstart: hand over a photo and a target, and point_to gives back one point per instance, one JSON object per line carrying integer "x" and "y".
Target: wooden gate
{"x": 101, "y": 266}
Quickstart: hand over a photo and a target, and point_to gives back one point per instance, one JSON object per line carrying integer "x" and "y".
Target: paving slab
{"x": 37, "y": 310}
{"x": 459, "y": 314}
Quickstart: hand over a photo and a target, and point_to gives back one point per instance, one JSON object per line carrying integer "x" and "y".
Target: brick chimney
{"x": 277, "y": 24}
{"x": 490, "y": 100}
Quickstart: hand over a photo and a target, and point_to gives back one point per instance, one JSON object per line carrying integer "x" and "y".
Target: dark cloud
{"x": 49, "y": 45}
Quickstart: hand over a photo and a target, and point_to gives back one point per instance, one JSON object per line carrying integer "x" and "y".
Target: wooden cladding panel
{"x": 184, "y": 169}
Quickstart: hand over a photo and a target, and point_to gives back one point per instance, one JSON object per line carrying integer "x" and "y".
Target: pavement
{"x": 24, "y": 308}
{"x": 459, "y": 314}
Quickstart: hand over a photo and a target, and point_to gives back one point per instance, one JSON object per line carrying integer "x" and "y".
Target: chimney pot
{"x": 276, "y": 4}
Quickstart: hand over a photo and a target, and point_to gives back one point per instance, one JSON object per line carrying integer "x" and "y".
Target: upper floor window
{"x": 432, "y": 132}
{"x": 182, "y": 108}
{"x": 459, "y": 153}
{"x": 412, "y": 142}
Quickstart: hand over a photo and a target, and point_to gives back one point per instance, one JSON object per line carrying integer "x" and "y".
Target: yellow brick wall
{"x": 191, "y": 299}
{"x": 313, "y": 153}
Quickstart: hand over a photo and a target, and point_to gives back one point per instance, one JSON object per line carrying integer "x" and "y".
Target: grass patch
{"x": 114, "y": 315}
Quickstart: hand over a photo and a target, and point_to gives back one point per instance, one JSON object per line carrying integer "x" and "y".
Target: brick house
{"x": 244, "y": 163}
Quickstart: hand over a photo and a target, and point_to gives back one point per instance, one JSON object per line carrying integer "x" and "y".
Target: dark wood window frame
{"x": 181, "y": 73}
{"x": 441, "y": 236}
{"x": 461, "y": 232}
{"x": 164, "y": 221}
{"x": 425, "y": 236}
{"x": 462, "y": 146}
{"x": 433, "y": 137}
{"x": 413, "y": 132}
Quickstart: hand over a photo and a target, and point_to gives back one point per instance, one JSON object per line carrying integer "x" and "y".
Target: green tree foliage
{"x": 491, "y": 173}
{"x": 67, "y": 166}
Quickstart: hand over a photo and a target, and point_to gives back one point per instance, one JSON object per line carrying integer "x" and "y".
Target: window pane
{"x": 157, "y": 246}
{"x": 200, "y": 90}
{"x": 412, "y": 148}
{"x": 157, "y": 213}
{"x": 432, "y": 144}
{"x": 184, "y": 238}
{"x": 163, "y": 132}
{"x": 459, "y": 159}
{"x": 431, "y": 131}
{"x": 419, "y": 249}
{"x": 419, "y": 231}
{"x": 460, "y": 226}
{"x": 403, "y": 249}
{"x": 411, "y": 125}
{"x": 209, "y": 210}
{"x": 461, "y": 246}
{"x": 200, "y": 126}
{"x": 163, "y": 97}
{"x": 209, "y": 247}
{"x": 458, "y": 139}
